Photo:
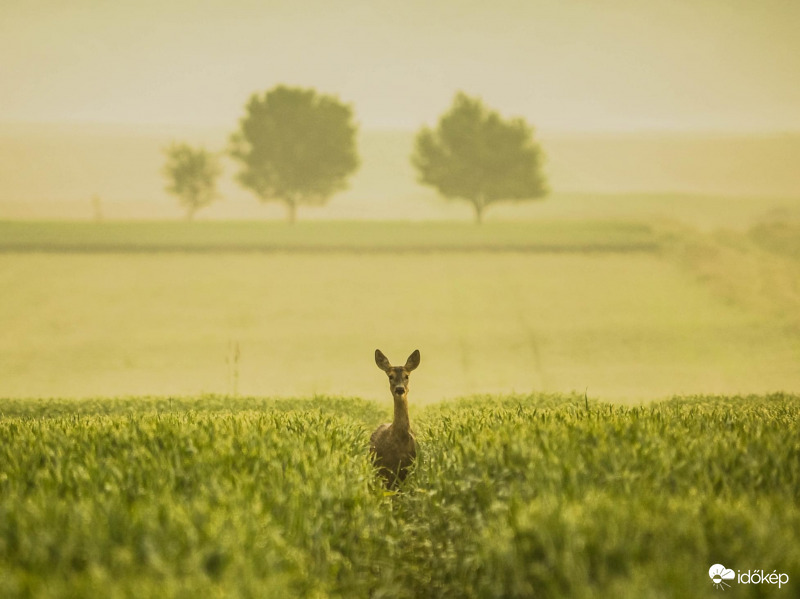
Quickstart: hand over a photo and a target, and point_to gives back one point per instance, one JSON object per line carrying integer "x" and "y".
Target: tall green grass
{"x": 512, "y": 496}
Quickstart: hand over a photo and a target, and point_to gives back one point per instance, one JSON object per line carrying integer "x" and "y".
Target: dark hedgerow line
{"x": 348, "y": 237}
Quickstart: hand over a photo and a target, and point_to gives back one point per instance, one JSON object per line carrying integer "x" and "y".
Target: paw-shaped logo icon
{"x": 719, "y": 574}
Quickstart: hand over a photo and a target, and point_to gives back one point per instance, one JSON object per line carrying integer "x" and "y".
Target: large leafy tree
{"x": 475, "y": 155}
{"x": 191, "y": 176}
{"x": 295, "y": 146}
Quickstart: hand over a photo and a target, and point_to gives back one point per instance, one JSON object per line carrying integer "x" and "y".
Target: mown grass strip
{"x": 330, "y": 236}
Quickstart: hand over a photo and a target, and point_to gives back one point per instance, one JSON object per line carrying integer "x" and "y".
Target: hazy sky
{"x": 563, "y": 64}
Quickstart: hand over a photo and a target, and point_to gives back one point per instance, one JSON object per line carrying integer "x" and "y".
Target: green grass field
{"x": 139, "y": 456}
{"x": 512, "y": 496}
{"x": 692, "y": 314}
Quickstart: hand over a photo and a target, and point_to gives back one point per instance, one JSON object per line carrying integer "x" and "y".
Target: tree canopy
{"x": 295, "y": 146}
{"x": 475, "y": 155}
{"x": 191, "y": 176}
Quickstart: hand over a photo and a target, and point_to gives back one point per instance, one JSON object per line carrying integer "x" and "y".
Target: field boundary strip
{"x": 92, "y": 248}
{"x": 327, "y": 237}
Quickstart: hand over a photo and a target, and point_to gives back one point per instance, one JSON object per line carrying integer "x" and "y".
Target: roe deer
{"x": 392, "y": 445}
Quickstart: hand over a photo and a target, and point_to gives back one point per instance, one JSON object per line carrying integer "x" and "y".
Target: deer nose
{"x": 399, "y": 390}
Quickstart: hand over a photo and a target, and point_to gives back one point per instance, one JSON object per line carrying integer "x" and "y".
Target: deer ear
{"x": 382, "y": 361}
{"x": 413, "y": 361}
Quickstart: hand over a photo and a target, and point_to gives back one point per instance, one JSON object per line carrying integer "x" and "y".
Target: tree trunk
{"x": 291, "y": 215}
{"x": 479, "y": 206}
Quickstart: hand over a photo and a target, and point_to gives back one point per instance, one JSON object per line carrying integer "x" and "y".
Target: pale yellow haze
{"x": 577, "y": 65}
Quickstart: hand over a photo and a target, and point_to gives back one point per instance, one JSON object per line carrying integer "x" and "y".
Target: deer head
{"x": 398, "y": 375}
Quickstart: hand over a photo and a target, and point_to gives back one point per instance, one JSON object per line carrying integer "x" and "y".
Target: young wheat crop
{"x": 510, "y": 496}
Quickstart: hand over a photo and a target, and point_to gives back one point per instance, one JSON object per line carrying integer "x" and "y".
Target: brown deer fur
{"x": 392, "y": 444}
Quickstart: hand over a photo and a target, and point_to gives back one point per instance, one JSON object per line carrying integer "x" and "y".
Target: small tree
{"x": 475, "y": 155}
{"x": 295, "y": 146}
{"x": 192, "y": 176}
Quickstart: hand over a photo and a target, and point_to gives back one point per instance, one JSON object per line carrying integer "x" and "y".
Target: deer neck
{"x": 400, "y": 423}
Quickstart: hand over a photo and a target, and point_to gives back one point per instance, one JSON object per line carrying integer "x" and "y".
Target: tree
{"x": 475, "y": 155}
{"x": 295, "y": 146}
{"x": 192, "y": 176}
